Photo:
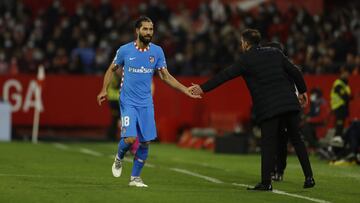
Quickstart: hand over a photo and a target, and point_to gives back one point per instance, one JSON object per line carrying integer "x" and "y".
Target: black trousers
{"x": 340, "y": 115}
{"x": 269, "y": 142}
{"x": 281, "y": 153}
{"x": 352, "y": 137}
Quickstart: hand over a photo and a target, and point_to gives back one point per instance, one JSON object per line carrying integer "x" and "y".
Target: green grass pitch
{"x": 81, "y": 172}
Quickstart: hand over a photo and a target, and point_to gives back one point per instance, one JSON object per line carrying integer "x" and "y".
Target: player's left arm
{"x": 113, "y": 68}
{"x": 172, "y": 82}
{"x": 167, "y": 77}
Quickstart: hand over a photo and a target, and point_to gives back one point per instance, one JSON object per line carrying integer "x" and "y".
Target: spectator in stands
{"x": 60, "y": 62}
{"x": 350, "y": 152}
{"x": 354, "y": 64}
{"x": 316, "y": 120}
{"x": 86, "y": 55}
{"x": 4, "y": 66}
{"x": 319, "y": 43}
{"x": 102, "y": 57}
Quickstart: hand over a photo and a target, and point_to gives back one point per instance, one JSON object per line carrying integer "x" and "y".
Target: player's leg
{"x": 139, "y": 162}
{"x": 146, "y": 133}
{"x": 135, "y": 146}
{"x": 128, "y": 137}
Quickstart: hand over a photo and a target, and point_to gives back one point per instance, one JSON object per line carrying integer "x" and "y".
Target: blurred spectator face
{"x": 357, "y": 60}
{"x": 145, "y": 32}
{"x": 2, "y": 56}
{"x": 331, "y": 52}
{"x": 344, "y": 73}
{"x": 50, "y": 47}
{"x": 350, "y": 58}
{"x": 82, "y": 43}
{"x": 327, "y": 60}
{"x": 315, "y": 95}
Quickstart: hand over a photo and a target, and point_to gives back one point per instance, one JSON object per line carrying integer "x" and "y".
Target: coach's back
{"x": 266, "y": 71}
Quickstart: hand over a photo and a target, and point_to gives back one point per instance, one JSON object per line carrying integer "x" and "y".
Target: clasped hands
{"x": 194, "y": 91}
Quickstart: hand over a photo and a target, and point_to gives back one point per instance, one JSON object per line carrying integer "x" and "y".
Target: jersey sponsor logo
{"x": 152, "y": 59}
{"x": 140, "y": 70}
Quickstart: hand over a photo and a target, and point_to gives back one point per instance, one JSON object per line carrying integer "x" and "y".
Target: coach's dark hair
{"x": 252, "y": 36}
{"x": 141, "y": 19}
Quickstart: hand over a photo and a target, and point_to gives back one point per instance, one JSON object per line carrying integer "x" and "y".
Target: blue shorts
{"x": 138, "y": 121}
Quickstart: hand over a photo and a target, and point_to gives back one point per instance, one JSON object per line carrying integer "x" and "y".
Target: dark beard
{"x": 145, "y": 40}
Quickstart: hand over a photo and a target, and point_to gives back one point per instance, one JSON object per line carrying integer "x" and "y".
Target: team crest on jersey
{"x": 123, "y": 130}
{"x": 152, "y": 59}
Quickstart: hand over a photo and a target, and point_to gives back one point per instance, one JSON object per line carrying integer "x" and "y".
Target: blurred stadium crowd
{"x": 196, "y": 42}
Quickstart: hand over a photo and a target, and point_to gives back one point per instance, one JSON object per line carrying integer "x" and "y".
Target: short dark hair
{"x": 141, "y": 19}
{"x": 251, "y": 36}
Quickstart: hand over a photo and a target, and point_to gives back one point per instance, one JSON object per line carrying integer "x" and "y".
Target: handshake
{"x": 194, "y": 91}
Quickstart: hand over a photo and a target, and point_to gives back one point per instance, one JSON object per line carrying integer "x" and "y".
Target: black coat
{"x": 266, "y": 71}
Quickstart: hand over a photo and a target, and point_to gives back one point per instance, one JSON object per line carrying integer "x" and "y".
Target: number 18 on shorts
{"x": 138, "y": 121}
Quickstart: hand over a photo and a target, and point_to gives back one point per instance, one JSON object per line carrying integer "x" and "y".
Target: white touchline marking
{"x": 98, "y": 154}
{"x": 149, "y": 165}
{"x": 299, "y": 196}
{"x": 203, "y": 164}
{"x": 288, "y": 194}
{"x": 211, "y": 179}
{"x": 242, "y": 185}
{"x": 61, "y": 146}
{"x": 82, "y": 150}
{"x": 341, "y": 173}
{"x": 90, "y": 152}
{"x": 214, "y": 180}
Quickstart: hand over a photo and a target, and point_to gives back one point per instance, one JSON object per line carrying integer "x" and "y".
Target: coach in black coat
{"x": 265, "y": 71}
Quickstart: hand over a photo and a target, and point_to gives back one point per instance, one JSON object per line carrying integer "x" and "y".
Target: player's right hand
{"x": 101, "y": 97}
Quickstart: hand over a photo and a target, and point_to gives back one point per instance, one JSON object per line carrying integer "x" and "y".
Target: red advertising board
{"x": 66, "y": 100}
{"x": 70, "y": 101}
